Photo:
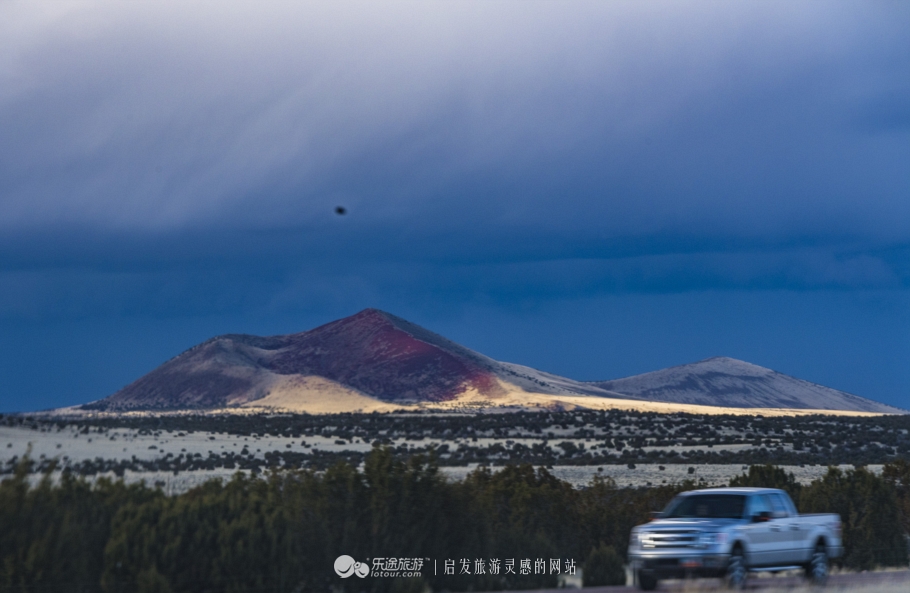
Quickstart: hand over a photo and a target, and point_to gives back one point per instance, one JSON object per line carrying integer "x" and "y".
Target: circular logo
{"x": 346, "y": 566}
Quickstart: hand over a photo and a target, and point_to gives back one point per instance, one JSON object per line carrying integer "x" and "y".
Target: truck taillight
{"x": 838, "y": 529}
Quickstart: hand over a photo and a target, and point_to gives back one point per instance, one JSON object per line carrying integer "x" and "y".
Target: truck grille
{"x": 669, "y": 539}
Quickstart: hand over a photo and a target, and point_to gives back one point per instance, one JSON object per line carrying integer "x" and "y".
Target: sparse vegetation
{"x": 283, "y": 531}
{"x": 546, "y": 438}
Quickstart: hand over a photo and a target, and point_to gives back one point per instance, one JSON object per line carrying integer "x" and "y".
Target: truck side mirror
{"x": 761, "y": 517}
{"x": 654, "y": 515}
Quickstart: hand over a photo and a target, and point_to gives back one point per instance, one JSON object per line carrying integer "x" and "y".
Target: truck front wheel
{"x": 735, "y": 578}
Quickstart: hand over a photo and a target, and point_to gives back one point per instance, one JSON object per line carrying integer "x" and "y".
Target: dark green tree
{"x": 769, "y": 476}
{"x": 867, "y": 505}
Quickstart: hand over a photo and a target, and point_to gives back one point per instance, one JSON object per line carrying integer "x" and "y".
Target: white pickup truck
{"x": 728, "y": 532}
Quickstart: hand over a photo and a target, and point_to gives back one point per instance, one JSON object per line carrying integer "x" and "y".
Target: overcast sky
{"x": 596, "y": 189}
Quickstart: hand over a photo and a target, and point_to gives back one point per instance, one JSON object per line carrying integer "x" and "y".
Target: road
{"x": 896, "y": 581}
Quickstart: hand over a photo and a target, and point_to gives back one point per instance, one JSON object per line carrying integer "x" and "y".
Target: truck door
{"x": 758, "y": 532}
{"x": 782, "y": 533}
{"x": 768, "y": 534}
{"x": 799, "y": 531}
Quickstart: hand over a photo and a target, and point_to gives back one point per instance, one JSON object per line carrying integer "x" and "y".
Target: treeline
{"x": 284, "y": 532}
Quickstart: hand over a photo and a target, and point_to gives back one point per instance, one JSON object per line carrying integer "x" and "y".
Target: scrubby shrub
{"x": 603, "y": 567}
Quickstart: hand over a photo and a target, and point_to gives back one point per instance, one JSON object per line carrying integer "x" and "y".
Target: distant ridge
{"x": 376, "y": 361}
{"x": 730, "y": 382}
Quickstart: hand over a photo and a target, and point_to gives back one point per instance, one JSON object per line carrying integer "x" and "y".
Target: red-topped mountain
{"x": 372, "y": 353}
{"x": 376, "y": 361}
{"x": 386, "y": 357}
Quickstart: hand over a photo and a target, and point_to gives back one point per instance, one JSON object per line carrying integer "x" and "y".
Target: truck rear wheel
{"x": 735, "y": 577}
{"x": 817, "y": 569}
{"x": 646, "y": 581}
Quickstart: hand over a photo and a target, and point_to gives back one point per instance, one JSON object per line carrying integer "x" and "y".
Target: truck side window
{"x": 778, "y": 507}
{"x": 791, "y": 508}
{"x": 759, "y": 504}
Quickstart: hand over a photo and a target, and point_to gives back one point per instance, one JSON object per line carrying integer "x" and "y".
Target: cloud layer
{"x": 631, "y": 119}
{"x": 174, "y": 160}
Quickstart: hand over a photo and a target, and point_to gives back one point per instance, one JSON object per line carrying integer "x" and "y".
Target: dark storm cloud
{"x": 291, "y": 270}
{"x": 183, "y": 159}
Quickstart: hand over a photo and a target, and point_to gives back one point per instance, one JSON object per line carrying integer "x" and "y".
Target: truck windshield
{"x": 706, "y": 506}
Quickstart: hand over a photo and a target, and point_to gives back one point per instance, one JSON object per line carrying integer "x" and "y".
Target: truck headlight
{"x": 634, "y": 540}
{"x": 712, "y": 539}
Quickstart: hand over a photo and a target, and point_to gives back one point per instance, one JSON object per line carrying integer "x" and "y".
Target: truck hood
{"x": 705, "y": 525}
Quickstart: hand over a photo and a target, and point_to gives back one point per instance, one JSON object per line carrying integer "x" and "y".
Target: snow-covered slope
{"x": 725, "y": 381}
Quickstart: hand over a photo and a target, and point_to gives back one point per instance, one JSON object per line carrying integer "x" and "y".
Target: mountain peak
{"x": 369, "y": 313}
{"x": 729, "y": 382}
{"x": 726, "y": 364}
{"x": 364, "y": 318}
